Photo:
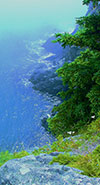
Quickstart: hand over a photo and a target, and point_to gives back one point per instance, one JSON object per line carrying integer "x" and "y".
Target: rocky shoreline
{"x": 33, "y": 170}
{"x": 36, "y": 170}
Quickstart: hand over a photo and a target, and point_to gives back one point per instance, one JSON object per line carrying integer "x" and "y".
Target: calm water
{"x": 21, "y": 108}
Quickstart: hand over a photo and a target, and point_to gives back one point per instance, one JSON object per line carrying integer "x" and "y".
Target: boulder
{"x": 31, "y": 170}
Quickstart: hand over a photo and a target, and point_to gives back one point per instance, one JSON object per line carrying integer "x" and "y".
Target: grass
{"x": 89, "y": 162}
{"x": 6, "y": 156}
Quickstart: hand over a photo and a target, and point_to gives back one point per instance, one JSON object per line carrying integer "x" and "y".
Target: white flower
{"x": 48, "y": 115}
{"x": 93, "y": 116}
{"x": 71, "y": 132}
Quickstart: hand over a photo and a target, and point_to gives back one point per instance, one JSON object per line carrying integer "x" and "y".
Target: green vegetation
{"x": 81, "y": 102}
{"x": 89, "y": 163}
{"x": 82, "y": 99}
{"x": 58, "y": 146}
{"x": 95, "y": 2}
{"x": 6, "y": 156}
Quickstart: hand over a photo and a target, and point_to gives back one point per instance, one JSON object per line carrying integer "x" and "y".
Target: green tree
{"x": 82, "y": 99}
{"x": 95, "y": 2}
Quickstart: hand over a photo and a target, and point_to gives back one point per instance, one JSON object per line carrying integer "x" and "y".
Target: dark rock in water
{"x": 68, "y": 54}
{"x": 47, "y": 82}
{"x": 52, "y": 57}
{"x": 45, "y": 78}
{"x": 33, "y": 170}
{"x": 44, "y": 123}
{"x": 53, "y": 48}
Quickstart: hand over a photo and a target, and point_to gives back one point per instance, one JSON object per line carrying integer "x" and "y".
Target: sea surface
{"x": 21, "y": 107}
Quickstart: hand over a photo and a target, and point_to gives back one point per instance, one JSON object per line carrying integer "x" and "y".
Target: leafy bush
{"x": 92, "y": 131}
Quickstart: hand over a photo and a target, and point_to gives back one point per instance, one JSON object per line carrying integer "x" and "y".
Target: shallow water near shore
{"x": 21, "y": 107}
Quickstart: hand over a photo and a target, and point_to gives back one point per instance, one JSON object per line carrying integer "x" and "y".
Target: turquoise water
{"x": 21, "y": 107}
{"x": 26, "y": 16}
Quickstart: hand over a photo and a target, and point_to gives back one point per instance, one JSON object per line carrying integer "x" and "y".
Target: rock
{"x": 44, "y": 76}
{"x": 53, "y": 48}
{"x": 54, "y": 56}
{"x": 44, "y": 81}
{"x": 44, "y": 123}
{"x": 56, "y": 153}
{"x": 31, "y": 170}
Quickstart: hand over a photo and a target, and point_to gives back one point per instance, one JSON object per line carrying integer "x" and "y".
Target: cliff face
{"x": 51, "y": 58}
{"x": 44, "y": 77}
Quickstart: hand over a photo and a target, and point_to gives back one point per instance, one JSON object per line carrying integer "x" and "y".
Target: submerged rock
{"x": 44, "y": 123}
{"x": 33, "y": 170}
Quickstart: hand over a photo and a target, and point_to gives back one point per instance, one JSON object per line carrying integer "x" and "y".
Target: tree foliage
{"x": 87, "y": 36}
{"x": 95, "y": 2}
{"x": 82, "y": 99}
